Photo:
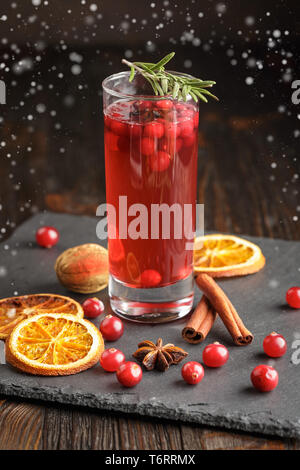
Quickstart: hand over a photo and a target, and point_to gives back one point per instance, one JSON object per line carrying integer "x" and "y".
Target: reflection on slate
{"x": 225, "y": 397}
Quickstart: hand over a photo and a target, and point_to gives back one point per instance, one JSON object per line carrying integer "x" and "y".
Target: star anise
{"x": 157, "y": 356}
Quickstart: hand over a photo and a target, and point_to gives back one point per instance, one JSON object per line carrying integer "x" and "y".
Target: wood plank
{"x": 20, "y": 425}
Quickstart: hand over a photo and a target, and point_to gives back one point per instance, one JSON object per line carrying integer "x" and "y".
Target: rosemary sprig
{"x": 166, "y": 83}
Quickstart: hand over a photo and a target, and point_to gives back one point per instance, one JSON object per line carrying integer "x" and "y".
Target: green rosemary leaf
{"x": 206, "y": 92}
{"x": 132, "y": 72}
{"x": 179, "y": 79}
{"x": 163, "y": 61}
{"x": 147, "y": 65}
{"x": 188, "y": 89}
{"x": 153, "y": 84}
{"x": 184, "y": 92}
{"x": 198, "y": 82}
{"x": 203, "y": 84}
{"x": 146, "y": 68}
{"x": 165, "y": 85}
{"x": 164, "y": 82}
{"x": 159, "y": 89}
{"x": 175, "y": 90}
{"x": 199, "y": 94}
{"x": 193, "y": 81}
{"x": 194, "y": 96}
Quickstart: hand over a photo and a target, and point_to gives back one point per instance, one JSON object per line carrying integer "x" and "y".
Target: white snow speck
{"x": 249, "y": 20}
{"x": 76, "y": 69}
{"x": 188, "y": 64}
{"x": 41, "y": 108}
{"x": 3, "y": 271}
{"x": 273, "y": 283}
{"x": 221, "y": 8}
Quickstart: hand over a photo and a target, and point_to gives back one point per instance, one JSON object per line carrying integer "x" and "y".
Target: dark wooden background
{"x": 248, "y": 159}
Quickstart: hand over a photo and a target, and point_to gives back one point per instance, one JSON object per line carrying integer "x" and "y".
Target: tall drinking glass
{"x": 151, "y": 153}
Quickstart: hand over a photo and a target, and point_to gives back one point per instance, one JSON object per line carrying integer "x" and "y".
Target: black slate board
{"x": 225, "y": 397}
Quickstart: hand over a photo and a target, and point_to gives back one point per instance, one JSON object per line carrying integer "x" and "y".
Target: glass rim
{"x": 126, "y": 73}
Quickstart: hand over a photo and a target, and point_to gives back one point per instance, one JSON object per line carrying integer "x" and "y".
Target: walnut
{"x": 83, "y": 268}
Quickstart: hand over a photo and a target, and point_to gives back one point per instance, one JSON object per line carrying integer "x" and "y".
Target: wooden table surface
{"x": 248, "y": 180}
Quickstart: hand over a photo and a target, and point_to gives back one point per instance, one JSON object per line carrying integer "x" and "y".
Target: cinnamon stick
{"x": 200, "y": 323}
{"x": 219, "y": 300}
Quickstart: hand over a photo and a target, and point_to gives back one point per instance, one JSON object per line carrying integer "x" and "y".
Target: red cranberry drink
{"x": 151, "y": 157}
{"x": 151, "y": 182}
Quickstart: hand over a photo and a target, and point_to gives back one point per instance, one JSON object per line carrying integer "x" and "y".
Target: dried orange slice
{"x": 54, "y": 344}
{"x": 226, "y": 255}
{"x": 15, "y": 309}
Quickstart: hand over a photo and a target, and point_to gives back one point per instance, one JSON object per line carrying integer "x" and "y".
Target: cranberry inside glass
{"x": 151, "y": 154}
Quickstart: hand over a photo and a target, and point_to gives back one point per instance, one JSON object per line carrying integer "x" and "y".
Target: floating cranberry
{"x": 123, "y": 143}
{"x": 172, "y": 130}
{"x": 147, "y": 146}
{"x": 186, "y": 128}
{"x": 119, "y": 128}
{"x": 47, "y": 236}
{"x": 275, "y": 345}
{"x": 293, "y": 297}
{"x": 189, "y": 140}
{"x": 111, "y": 141}
{"x": 179, "y": 144}
{"x": 170, "y": 145}
{"x": 192, "y": 372}
{"x": 154, "y": 129}
{"x": 159, "y": 161}
{"x": 135, "y": 130}
{"x": 264, "y": 378}
{"x": 185, "y": 155}
{"x": 215, "y": 355}
{"x": 107, "y": 121}
{"x": 92, "y": 307}
{"x": 111, "y": 328}
{"x": 150, "y": 278}
{"x": 111, "y": 359}
{"x": 143, "y": 106}
{"x": 181, "y": 107}
{"x": 189, "y": 114}
{"x": 164, "y": 104}
{"x": 129, "y": 374}
{"x": 164, "y": 144}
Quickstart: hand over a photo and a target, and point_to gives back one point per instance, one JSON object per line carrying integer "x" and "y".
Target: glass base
{"x": 155, "y": 305}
